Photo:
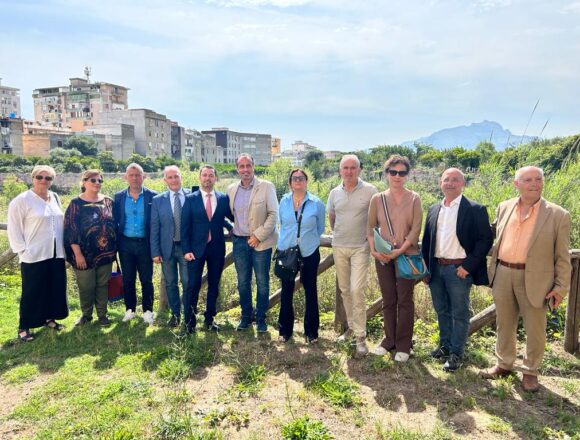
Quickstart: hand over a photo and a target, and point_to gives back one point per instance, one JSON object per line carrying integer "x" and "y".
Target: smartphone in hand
{"x": 550, "y": 302}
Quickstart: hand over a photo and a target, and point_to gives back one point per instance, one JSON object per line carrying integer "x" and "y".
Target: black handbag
{"x": 288, "y": 262}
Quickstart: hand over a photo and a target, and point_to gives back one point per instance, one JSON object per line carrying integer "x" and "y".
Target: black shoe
{"x": 440, "y": 353}
{"x": 211, "y": 326}
{"x": 83, "y": 320}
{"x": 173, "y": 321}
{"x": 244, "y": 324}
{"x": 453, "y": 363}
{"x": 104, "y": 321}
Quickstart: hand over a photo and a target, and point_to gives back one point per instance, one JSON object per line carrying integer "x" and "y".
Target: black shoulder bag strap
{"x": 299, "y": 220}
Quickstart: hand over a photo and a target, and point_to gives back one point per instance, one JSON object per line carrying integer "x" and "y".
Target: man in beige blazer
{"x": 255, "y": 207}
{"x": 529, "y": 272}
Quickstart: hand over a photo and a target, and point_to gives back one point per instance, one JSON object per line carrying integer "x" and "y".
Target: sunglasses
{"x": 298, "y": 178}
{"x": 93, "y": 180}
{"x": 47, "y": 178}
{"x": 393, "y": 173}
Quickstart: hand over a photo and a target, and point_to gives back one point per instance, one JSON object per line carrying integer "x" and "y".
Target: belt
{"x": 134, "y": 238}
{"x": 517, "y": 266}
{"x": 241, "y": 236}
{"x": 450, "y": 261}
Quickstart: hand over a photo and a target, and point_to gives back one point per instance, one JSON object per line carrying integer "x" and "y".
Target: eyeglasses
{"x": 93, "y": 180}
{"x": 298, "y": 178}
{"x": 393, "y": 173}
{"x": 47, "y": 178}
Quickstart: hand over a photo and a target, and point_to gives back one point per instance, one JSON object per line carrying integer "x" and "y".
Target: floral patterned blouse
{"x": 91, "y": 226}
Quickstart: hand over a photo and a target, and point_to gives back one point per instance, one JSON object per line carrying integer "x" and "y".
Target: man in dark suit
{"x": 202, "y": 236}
{"x": 132, "y": 214}
{"x": 166, "y": 239}
{"x": 455, "y": 244}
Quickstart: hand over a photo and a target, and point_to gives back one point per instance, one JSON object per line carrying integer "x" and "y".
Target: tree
{"x": 108, "y": 164}
{"x": 85, "y": 144}
{"x": 147, "y": 163}
{"x": 313, "y": 156}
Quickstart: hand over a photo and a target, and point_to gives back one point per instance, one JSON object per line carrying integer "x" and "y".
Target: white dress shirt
{"x": 181, "y": 196}
{"x": 34, "y": 226}
{"x": 213, "y": 200}
{"x": 446, "y": 242}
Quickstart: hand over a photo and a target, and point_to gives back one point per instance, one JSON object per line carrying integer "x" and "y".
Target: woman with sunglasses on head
{"x": 90, "y": 243}
{"x": 403, "y": 207}
{"x": 300, "y": 205}
{"x": 35, "y": 233}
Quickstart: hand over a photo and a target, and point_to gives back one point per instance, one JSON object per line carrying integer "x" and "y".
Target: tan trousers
{"x": 352, "y": 265}
{"x": 511, "y": 301}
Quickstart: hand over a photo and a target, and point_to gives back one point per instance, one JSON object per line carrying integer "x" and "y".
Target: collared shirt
{"x": 34, "y": 226}
{"x": 134, "y": 216}
{"x": 311, "y": 228}
{"x": 242, "y": 209}
{"x": 517, "y": 234}
{"x": 446, "y": 243}
{"x": 181, "y": 195}
{"x": 351, "y": 214}
{"x": 213, "y": 200}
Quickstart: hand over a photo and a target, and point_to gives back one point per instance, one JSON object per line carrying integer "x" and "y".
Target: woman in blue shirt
{"x": 312, "y": 227}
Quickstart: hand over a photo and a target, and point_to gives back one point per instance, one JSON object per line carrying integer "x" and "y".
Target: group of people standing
{"x": 184, "y": 232}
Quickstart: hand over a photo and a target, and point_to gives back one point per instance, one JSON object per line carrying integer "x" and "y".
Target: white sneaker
{"x": 379, "y": 351}
{"x": 148, "y": 317}
{"x": 346, "y": 336}
{"x": 401, "y": 357}
{"x": 129, "y": 315}
{"x": 361, "y": 346}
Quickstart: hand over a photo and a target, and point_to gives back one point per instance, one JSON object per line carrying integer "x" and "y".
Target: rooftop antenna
{"x": 529, "y": 120}
{"x": 88, "y": 73}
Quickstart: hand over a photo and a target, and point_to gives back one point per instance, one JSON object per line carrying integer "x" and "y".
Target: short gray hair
{"x": 350, "y": 157}
{"x": 135, "y": 166}
{"x": 247, "y": 156}
{"x": 522, "y": 170}
{"x": 169, "y": 168}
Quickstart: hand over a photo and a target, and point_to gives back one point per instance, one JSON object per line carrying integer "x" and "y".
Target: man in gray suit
{"x": 166, "y": 239}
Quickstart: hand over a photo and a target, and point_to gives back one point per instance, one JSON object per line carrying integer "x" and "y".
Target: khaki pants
{"x": 352, "y": 265}
{"x": 93, "y": 289}
{"x": 509, "y": 295}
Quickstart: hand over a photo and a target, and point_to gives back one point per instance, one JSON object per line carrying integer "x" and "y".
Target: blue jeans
{"x": 175, "y": 268}
{"x": 246, "y": 259}
{"x": 450, "y": 296}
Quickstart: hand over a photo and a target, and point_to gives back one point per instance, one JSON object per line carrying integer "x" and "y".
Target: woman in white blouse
{"x": 35, "y": 233}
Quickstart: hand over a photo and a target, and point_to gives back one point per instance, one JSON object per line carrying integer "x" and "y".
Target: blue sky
{"x": 339, "y": 74}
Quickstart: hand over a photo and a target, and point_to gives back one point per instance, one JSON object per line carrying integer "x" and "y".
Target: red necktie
{"x": 208, "y": 212}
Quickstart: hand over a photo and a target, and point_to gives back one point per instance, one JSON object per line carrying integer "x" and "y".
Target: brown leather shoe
{"x": 530, "y": 383}
{"x": 494, "y": 372}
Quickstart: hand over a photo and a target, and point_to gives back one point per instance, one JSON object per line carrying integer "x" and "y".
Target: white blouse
{"x": 34, "y": 226}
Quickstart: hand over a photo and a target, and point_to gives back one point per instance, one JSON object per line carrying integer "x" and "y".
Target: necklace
{"x": 297, "y": 202}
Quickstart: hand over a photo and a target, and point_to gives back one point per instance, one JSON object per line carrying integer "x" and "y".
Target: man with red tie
{"x": 202, "y": 235}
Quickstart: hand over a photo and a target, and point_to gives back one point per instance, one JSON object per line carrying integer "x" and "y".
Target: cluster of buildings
{"x": 101, "y": 110}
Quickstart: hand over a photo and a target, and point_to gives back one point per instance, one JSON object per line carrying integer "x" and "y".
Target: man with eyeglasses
{"x": 529, "y": 273}
{"x": 132, "y": 213}
{"x": 166, "y": 248}
{"x": 455, "y": 244}
{"x": 348, "y": 206}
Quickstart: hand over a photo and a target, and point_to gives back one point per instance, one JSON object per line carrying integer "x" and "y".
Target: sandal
{"x": 25, "y": 336}
{"x": 52, "y": 324}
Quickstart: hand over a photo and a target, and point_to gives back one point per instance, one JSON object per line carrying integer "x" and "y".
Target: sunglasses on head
{"x": 393, "y": 173}
{"x": 298, "y": 178}
{"x": 47, "y": 178}
{"x": 93, "y": 180}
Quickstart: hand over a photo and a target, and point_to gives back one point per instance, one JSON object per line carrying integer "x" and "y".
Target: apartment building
{"x": 11, "y": 136}
{"x": 259, "y": 146}
{"x": 9, "y": 102}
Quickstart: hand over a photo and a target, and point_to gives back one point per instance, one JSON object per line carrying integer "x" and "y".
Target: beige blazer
{"x": 263, "y": 212}
{"x": 548, "y": 259}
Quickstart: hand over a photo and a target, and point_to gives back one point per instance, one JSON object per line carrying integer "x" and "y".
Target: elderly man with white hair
{"x": 529, "y": 272}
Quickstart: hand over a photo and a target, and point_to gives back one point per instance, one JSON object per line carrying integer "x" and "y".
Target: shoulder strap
{"x": 300, "y": 220}
{"x": 384, "y": 199}
{"x": 57, "y": 198}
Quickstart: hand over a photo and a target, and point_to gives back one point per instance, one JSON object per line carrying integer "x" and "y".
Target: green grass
{"x": 303, "y": 428}
{"x": 336, "y": 388}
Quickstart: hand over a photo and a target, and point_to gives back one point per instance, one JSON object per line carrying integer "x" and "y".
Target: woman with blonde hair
{"x": 35, "y": 233}
{"x": 90, "y": 240}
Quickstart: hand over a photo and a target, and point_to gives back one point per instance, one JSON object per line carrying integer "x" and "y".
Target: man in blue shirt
{"x": 132, "y": 214}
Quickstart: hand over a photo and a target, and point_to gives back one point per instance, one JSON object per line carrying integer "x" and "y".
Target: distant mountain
{"x": 468, "y": 136}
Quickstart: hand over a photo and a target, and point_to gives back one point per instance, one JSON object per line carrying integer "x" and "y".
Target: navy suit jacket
{"x": 473, "y": 232}
{"x": 195, "y": 226}
{"x": 119, "y": 211}
{"x": 162, "y": 226}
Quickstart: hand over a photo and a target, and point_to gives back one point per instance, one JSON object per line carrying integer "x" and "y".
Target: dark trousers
{"x": 311, "y": 317}
{"x": 43, "y": 292}
{"x": 398, "y": 308}
{"x": 214, "y": 256}
{"x": 135, "y": 256}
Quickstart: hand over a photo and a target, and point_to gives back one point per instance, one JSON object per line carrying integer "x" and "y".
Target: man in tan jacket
{"x": 255, "y": 207}
{"x": 529, "y": 272}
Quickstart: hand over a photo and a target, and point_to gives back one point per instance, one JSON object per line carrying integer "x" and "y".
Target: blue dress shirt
{"x": 134, "y": 216}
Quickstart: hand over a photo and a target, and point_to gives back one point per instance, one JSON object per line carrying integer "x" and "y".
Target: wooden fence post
{"x": 573, "y": 310}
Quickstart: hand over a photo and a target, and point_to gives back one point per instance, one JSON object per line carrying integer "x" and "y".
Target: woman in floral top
{"x": 90, "y": 244}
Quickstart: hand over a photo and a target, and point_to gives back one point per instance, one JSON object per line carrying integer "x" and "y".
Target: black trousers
{"x": 135, "y": 257}
{"x": 311, "y": 315}
{"x": 43, "y": 292}
{"x": 214, "y": 256}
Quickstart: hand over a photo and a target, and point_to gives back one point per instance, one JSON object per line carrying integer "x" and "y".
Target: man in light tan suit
{"x": 530, "y": 271}
{"x": 255, "y": 207}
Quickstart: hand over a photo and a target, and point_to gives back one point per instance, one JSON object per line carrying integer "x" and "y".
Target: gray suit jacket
{"x": 162, "y": 227}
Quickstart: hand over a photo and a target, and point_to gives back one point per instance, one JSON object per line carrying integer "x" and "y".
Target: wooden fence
{"x": 482, "y": 319}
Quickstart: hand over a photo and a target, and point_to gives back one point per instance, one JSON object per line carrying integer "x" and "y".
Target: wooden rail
{"x": 482, "y": 319}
